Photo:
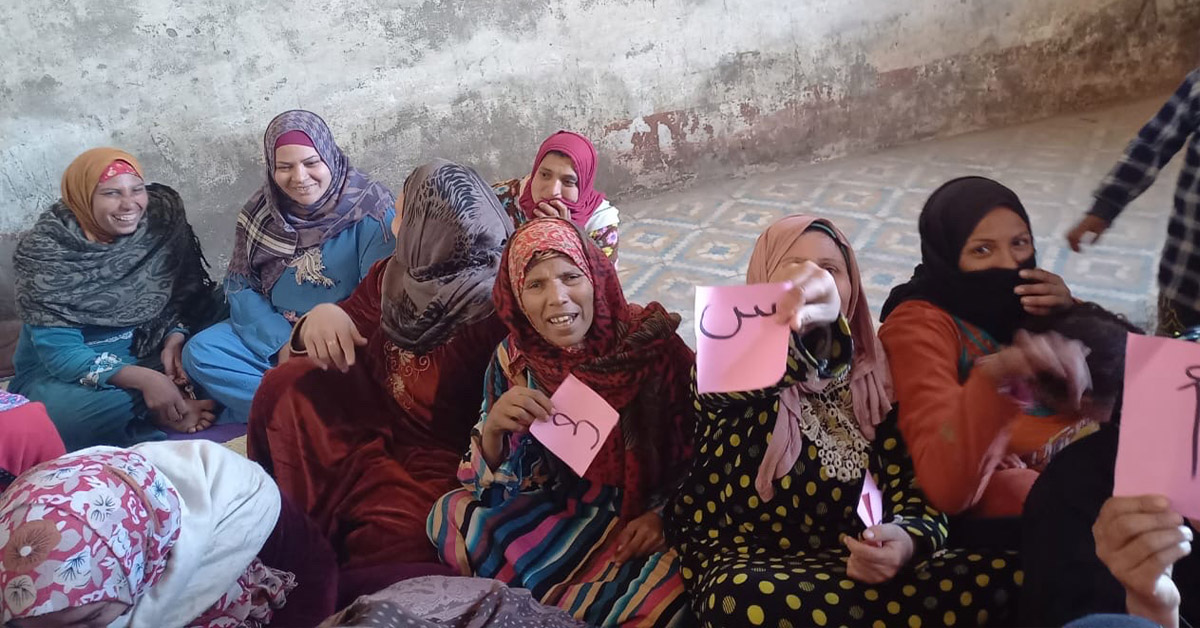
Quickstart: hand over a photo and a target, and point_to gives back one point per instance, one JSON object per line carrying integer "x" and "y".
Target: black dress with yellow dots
{"x": 781, "y": 563}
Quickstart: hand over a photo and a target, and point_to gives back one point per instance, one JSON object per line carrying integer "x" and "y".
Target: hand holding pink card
{"x": 580, "y": 423}
{"x": 740, "y": 342}
{"x": 1159, "y": 450}
{"x": 870, "y": 502}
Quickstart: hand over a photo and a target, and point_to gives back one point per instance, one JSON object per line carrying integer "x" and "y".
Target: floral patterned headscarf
{"x": 84, "y": 529}
{"x": 630, "y": 352}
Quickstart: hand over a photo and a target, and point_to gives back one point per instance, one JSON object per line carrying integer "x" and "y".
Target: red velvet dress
{"x": 366, "y": 453}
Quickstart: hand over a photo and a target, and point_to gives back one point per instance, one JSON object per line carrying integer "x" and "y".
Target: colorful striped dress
{"x": 533, "y": 523}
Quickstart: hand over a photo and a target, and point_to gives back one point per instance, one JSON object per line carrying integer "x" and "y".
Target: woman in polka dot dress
{"x": 766, "y": 522}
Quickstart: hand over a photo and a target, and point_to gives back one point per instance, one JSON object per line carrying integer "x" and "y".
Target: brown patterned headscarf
{"x": 452, "y": 234}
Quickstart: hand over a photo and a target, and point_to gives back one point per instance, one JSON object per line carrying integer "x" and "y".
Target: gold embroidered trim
{"x": 310, "y": 267}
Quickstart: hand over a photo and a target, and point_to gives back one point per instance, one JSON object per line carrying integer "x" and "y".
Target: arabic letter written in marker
{"x": 581, "y": 422}
{"x": 707, "y": 332}
{"x": 740, "y": 345}
{"x": 1160, "y": 424}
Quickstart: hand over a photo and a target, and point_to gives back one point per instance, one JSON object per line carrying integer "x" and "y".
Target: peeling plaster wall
{"x": 672, "y": 90}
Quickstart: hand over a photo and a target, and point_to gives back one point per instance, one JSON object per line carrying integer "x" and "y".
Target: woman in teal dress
{"x": 308, "y": 236}
{"x": 110, "y": 280}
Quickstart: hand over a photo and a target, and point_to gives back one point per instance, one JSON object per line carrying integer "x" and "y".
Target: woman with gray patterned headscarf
{"x": 368, "y": 445}
{"x": 307, "y": 236}
{"x": 110, "y": 280}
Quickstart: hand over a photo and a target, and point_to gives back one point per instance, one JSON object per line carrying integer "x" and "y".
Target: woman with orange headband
{"x": 110, "y": 281}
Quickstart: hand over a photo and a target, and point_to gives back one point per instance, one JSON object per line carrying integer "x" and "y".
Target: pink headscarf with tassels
{"x": 870, "y": 379}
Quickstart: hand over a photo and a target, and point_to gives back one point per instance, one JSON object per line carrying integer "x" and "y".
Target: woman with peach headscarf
{"x": 765, "y": 522}
{"x": 110, "y": 281}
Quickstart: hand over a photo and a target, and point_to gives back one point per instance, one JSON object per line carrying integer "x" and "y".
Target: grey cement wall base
{"x": 673, "y": 91}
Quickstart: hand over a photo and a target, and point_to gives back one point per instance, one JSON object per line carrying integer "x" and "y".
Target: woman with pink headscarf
{"x": 766, "y": 522}
{"x": 562, "y": 185}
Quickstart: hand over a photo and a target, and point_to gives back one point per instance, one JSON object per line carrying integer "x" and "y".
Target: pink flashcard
{"x": 578, "y": 426}
{"x": 870, "y": 502}
{"x": 1159, "y": 451}
{"x": 740, "y": 343}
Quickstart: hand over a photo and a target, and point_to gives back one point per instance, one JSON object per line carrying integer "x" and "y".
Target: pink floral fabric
{"x": 251, "y": 601}
{"x": 9, "y": 401}
{"x": 118, "y": 167}
{"x": 83, "y": 529}
{"x": 99, "y": 525}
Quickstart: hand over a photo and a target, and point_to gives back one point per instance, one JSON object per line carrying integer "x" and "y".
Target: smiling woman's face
{"x": 301, "y": 173}
{"x": 118, "y": 205}
{"x": 559, "y": 300}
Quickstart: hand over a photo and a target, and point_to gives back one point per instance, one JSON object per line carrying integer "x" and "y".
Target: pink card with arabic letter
{"x": 870, "y": 502}
{"x": 580, "y": 423}
{"x": 1159, "y": 450}
{"x": 740, "y": 343}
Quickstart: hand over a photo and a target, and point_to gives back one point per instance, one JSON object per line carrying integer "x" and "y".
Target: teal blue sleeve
{"x": 67, "y": 358}
{"x": 263, "y": 330}
{"x": 375, "y": 242}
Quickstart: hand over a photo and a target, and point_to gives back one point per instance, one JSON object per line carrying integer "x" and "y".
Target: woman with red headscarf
{"x": 110, "y": 280}
{"x": 590, "y": 544}
{"x": 562, "y": 185}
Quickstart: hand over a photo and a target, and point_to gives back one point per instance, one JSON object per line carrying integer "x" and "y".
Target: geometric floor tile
{"x": 704, "y": 235}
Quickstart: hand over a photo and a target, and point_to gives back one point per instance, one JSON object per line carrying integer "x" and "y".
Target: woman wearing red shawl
{"x": 562, "y": 185}
{"x": 760, "y": 520}
{"x": 591, "y": 545}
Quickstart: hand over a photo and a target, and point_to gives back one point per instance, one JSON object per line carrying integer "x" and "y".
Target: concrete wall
{"x": 672, "y": 90}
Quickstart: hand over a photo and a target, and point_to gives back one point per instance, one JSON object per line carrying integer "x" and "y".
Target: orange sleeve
{"x": 955, "y": 432}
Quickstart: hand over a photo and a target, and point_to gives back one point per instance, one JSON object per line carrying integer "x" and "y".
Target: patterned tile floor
{"x": 704, "y": 235}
